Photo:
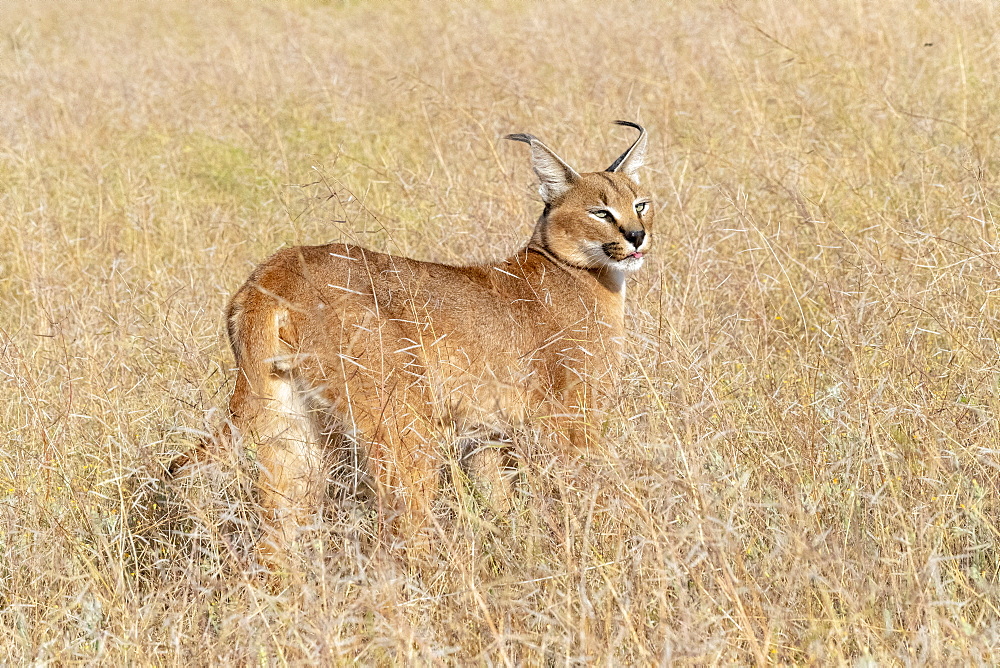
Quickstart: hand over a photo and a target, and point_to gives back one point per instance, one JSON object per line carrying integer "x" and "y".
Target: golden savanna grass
{"x": 803, "y": 464}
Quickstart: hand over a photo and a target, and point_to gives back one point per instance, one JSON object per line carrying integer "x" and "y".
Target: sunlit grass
{"x": 803, "y": 464}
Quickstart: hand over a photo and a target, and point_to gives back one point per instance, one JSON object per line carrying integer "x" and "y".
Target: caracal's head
{"x": 593, "y": 220}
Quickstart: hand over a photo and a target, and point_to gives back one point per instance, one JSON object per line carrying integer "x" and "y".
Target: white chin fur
{"x": 630, "y": 263}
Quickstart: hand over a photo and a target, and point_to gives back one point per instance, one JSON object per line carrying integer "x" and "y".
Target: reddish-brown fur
{"x": 402, "y": 357}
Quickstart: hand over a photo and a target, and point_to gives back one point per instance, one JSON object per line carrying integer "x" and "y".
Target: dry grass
{"x": 806, "y": 465}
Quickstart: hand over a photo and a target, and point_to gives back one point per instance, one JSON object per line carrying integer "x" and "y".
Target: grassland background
{"x": 805, "y": 467}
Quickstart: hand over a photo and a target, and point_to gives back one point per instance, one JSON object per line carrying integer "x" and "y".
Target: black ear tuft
{"x": 521, "y": 136}
{"x": 630, "y": 124}
{"x": 630, "y": 161}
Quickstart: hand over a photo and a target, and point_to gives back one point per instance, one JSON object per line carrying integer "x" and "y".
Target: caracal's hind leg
{"x": 270, "y": 409}
{"x": 290, "y": 480}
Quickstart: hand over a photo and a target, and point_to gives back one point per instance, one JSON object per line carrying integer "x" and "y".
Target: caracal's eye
{"x": 601, "y": 213}
{"x": 641, "y": 207}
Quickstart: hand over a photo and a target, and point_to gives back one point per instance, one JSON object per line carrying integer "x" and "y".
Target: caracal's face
{"x": 604, "y": 221}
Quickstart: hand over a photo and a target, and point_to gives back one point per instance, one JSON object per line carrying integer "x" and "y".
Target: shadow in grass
{"x": 195, "y": 534}
{"x": 198, "y": 527}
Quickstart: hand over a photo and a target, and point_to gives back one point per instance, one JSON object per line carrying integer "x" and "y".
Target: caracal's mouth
{"x": 610, "y": 255}
{"x": 631, "y": 262}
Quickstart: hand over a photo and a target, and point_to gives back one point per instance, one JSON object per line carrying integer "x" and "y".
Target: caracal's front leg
{"x": 406, "y": 467}
{"x": 491, "y": 467}
{"x": 576, "y": 420}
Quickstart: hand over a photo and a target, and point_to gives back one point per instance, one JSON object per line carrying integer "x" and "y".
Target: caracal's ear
{"x": 629, "y": 162}
{"x": 555, "y": 177}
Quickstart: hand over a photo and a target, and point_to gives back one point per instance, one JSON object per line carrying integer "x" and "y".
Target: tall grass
{"x": 804, "y": 464}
